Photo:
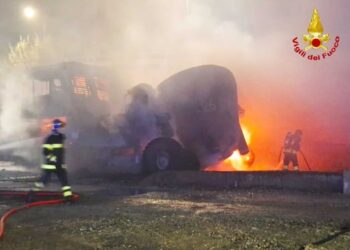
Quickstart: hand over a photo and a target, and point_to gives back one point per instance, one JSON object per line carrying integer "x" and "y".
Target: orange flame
{"x": 236, "y": 162}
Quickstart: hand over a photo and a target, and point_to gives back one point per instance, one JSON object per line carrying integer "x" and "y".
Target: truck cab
{"x": 75, "y": 92}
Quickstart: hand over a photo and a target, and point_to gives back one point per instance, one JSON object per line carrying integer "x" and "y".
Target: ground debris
{"x": 184, "y": 219}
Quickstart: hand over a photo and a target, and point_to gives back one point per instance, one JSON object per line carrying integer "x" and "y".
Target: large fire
{"x": 236, "y": 162}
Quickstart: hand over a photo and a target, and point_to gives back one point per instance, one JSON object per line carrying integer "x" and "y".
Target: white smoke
{"x": 15, "y": 98}
{"x": 147, "y": 41}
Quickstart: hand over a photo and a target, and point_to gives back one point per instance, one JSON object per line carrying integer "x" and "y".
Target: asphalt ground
{"x": 119, "y": 213}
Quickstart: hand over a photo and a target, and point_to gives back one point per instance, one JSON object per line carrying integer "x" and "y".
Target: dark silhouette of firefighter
{"x": 291, "y": 148}
{"x": 53, "y": 151}
{"x": 140, "y": 117}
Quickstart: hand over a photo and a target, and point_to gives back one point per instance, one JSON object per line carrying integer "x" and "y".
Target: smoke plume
{"x": 149, "y": 40}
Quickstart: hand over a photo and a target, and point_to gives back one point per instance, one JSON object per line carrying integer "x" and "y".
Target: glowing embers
{"x": 80, "y": 86}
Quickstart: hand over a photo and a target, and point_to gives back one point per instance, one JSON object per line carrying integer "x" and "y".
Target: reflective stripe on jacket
{"x": 53, "y": 150}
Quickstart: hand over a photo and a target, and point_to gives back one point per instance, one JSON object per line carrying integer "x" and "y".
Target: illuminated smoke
{"x": 146, "y": 41}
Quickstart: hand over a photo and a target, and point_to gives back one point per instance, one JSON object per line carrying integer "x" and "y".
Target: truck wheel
{"x": 190, "y": 160}
{"x": 161, "y": 154}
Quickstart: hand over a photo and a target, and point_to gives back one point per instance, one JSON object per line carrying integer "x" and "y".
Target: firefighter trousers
{"x": 62, "y": 177}
{"x": 59, "y": 171}
{"x": 290, "y": 158}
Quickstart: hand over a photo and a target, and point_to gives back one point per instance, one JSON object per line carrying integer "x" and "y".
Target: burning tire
{"x": 162, "y": 154}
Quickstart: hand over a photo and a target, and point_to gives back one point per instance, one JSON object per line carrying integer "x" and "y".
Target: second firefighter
{"x": 291, "y": 148}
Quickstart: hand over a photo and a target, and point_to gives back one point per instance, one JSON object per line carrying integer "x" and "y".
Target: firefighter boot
{"x": 67, "y": 194}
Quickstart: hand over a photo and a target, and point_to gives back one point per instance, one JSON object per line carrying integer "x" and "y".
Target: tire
{"x": 161, "y": 154}
{"x": 189, "y": 160}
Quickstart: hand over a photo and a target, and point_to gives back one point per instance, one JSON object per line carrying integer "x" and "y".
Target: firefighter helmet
{"x": 57, "y": 123}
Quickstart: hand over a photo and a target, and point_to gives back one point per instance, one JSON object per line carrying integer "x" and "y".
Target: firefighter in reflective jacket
{"x": 53, "y": 151}
{"x": 291, "y": 148}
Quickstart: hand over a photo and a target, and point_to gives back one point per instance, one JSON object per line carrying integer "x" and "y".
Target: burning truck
{"x": 189, "y": 122}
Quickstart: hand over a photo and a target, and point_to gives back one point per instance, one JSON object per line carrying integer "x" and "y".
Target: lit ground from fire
{"x": 120, "y": 214}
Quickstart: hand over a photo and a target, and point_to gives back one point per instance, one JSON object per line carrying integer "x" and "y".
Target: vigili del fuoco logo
{"x": 315, "y": 43}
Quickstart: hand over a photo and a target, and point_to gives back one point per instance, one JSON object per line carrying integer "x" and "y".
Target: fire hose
{"x": 306, "y": 162}
{"x": 302, "y": 154}
{"x": 25, "y": 195}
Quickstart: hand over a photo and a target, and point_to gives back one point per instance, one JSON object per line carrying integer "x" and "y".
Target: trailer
{"x": 189, "y": 121}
